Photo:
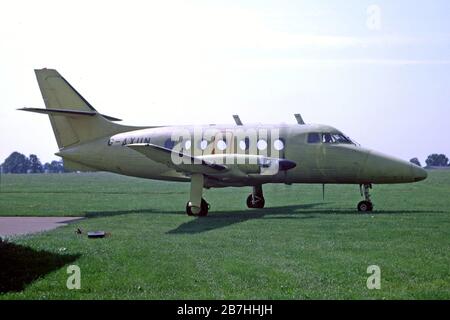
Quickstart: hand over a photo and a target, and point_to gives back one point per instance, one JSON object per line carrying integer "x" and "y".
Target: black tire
{"x": 204, "y": 208}
{"x": 249, "y": 201}
{"x": 188, "y": 210}
{"x": 365, "y": 206}
{"x": 257, "y": 205}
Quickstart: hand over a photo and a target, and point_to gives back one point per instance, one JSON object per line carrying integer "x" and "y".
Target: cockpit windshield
{"x": 335, "y": 138}
{"x": 328, "y": 137}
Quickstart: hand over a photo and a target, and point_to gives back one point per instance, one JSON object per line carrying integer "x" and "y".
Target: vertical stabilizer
{"x": 69, "y": 129}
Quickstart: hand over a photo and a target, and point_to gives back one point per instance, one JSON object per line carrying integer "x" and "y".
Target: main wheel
{"x": 258, "y": 203}
{"x": 204, "y": 207}
{"x": 365, "y": 206}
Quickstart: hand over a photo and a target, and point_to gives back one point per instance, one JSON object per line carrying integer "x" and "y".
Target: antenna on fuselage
{"x": 299, "y": 118}
{"x": 237, "y": 120}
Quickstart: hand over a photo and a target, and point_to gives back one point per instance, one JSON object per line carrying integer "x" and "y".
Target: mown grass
{"x": 299, "y": 247}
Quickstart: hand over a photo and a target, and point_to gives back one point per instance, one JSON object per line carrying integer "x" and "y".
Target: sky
{"x": 377, "y": 70}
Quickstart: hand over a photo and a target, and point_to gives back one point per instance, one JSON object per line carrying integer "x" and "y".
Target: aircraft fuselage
{"x": 316, "y": 161}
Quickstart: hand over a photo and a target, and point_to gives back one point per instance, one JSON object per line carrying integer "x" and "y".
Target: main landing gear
{"x": 203, "y": 212}
{"x": 365, "y": 205}
{"x": 256, "y": 198}
{"x": 197, "y": 206}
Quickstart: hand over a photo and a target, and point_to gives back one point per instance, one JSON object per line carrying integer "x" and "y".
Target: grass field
{"x": 299, "y": 247}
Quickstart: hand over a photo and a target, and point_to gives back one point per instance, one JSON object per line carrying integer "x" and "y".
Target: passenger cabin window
{"x": 244, "y": 144}
{"x": 278, "y": 144}
{"x": 313, "y": 137}
{"x": 221, "y": 145}
{"x": 261, "y": 145}
{"x": 203, "y": 144}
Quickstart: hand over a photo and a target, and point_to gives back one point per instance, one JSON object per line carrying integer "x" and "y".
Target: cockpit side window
{"x": 314, "y": 137}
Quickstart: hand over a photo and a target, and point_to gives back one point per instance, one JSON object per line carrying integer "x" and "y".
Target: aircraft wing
{"x": 185, "y": 163}
{"x": 209, "y": 165}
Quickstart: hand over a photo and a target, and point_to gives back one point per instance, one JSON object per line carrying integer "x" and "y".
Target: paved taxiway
{"x": 10, "y": 226}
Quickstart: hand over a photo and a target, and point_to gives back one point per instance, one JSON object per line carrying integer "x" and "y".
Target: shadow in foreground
{"x": 21, "y": 265}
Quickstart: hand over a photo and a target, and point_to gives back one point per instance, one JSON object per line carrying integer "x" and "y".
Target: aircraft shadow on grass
{"x": 224, "y": 218}
{"x": 239, "y": 214}
{"x": 21, "y": 265}
{"x": 221, "y": 219}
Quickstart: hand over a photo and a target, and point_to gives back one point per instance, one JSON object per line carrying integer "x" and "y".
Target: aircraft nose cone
{"x": 418, "y": 173}
{"x": 381, "y": 168}
{"x": 285, "y": 165}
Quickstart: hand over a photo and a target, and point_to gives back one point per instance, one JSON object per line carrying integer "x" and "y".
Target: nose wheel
{"x": 365, "y": 205}
{"x": 256, "y": 200}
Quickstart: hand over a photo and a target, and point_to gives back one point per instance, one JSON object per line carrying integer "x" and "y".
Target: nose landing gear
{"x": 365, "y": 205}
{"x": 256, "y": 199}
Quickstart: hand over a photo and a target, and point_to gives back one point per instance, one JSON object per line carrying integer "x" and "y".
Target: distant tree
{"x": 415, "y": 161}
{"x": 16, "y": 163}
{"x": 437, "y": 160}
{"x": 35, "y": 164}
{"x": 54, "y": 167}
{"x": 58, "y": 166}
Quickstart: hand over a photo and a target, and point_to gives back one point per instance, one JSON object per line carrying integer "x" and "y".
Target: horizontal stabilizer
{"x": 185, "y": 163}
{"x": 68, "y": 113}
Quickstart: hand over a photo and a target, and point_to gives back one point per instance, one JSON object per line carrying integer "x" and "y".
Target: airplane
{"x": 213, "y": 156}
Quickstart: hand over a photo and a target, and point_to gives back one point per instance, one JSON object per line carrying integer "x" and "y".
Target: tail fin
{"x": 73, "y": 119}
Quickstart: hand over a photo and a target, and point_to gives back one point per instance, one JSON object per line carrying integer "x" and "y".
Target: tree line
{"x": 433, "y": 160}
{"x": 19, "y": 163}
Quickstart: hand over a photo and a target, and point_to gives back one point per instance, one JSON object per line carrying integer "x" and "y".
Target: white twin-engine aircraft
{"x": 213, "y": 155}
